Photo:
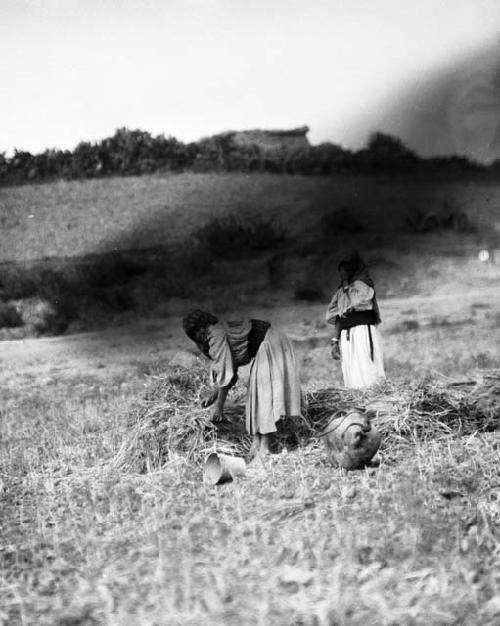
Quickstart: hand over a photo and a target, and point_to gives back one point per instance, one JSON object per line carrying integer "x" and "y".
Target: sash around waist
{"x": 357, "y": 318}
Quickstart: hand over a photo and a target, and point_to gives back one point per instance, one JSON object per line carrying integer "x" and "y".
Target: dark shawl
{"x": 356, "y": 270}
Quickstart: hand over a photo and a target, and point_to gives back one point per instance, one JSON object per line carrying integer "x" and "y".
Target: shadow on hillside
{"x": 227, "y": 264}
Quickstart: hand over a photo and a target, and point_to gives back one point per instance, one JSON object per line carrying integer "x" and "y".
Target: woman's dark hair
{"x": 195, "y": 326}
{"x": 351, "y": 262}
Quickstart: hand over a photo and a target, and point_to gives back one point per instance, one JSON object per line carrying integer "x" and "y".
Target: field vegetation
{"x": 89, "y": 538}
{"x": 105, "y": 518}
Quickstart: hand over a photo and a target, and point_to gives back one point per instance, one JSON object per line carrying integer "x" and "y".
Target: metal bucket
{"x": 222, "y": 468}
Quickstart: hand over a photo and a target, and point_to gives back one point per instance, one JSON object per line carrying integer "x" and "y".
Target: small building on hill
{"x": 273, "y": 140}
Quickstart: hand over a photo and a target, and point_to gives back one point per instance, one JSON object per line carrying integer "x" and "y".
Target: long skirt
{"x": 359, "y": 369}
{"x": 273, "y": 385}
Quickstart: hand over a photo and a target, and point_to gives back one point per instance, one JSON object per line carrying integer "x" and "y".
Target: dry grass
{"x": 168, "y": 419}
{"x": 414, "y": 542}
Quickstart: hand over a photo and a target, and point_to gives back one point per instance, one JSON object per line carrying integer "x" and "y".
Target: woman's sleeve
{"x": 360, "y": 294}
{"x": 222, "y": 370}
{"x": 339, "y": 306}
{"x": 333, "y": 309}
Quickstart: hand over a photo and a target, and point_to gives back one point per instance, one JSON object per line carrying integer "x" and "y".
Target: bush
{"x": 322, "y": 160}
{"x": 341, "y": 221}
{"x": 308, "y": 293}
{"x": 41, "y": 317}
{"x": 231, "y": 236}
{"x": 449, "y": 217}
{"x": 10, "y": 317}
{"x": 44, "y": 297}
{"x": 136, "y": 152}
{"x": 15, "y": 282}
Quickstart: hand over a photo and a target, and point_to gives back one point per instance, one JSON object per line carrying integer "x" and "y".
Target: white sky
{"x": 73, "y": 70}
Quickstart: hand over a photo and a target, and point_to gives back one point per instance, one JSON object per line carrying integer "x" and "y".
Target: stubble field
{"x": 414, "y": 541}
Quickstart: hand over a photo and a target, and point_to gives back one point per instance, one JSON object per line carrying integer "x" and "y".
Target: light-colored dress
{"x": 273, "y": 385}
{"x": 359, "y": 369}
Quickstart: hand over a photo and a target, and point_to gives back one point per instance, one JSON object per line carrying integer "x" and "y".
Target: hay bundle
{"x": 421, "y": 410}
{"x": 168, "y": 419}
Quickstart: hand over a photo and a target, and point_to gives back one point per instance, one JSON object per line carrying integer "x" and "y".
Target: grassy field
{"x": 95, "y": 216}
{"x": 102, "y": 251}
{"x": 412, "y": 542}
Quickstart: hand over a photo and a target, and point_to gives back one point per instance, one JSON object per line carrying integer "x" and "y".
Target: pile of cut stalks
{"x": 168, "y": 420}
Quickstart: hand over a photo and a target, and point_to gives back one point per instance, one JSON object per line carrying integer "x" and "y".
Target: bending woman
{"x": 273, "y": 386}
{"x": 355, "y": 314}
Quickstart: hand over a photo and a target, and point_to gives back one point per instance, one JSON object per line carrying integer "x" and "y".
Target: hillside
{"x": 82, "y": 217}
{"x": 99, "y": 251}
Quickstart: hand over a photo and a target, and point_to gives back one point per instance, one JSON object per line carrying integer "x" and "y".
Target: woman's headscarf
{"x": 357, "y": 270}
{"x": 195, "y": 325}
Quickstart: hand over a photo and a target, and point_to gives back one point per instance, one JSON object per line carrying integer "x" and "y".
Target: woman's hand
{"x": 208, "y": 398}
{"x": 220, "y": 396}
{"x": 217, "y": 415}
{"x": 335, "y": 351}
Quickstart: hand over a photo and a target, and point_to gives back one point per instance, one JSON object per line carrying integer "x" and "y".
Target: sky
{"x": 74, "y": 70}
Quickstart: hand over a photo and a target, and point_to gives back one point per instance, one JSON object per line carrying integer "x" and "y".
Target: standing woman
{"x": 355, "y": 314}
{"x": 273, "y": 385}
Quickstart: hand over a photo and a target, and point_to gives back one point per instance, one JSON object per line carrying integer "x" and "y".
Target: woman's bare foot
{"x": 254, "y": 449}
{"x": 265, "y": 447}
{"x": 256, "y": 462}
{"x": 260, "y": 450}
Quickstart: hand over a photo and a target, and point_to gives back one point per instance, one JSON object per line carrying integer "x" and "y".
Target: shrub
{"x": 136, "y": 152}
{"x": 44, "y": 297}
{"x": 230, "y": 236}
{"x": 15, "y": 282}
{"x": 454, "y": 218}
{"x": 25, "y": 285}
{"x": 341, "y": 221}
{"x": 449, "y": 217}
{"x": 41, "y": 317}
{"x": 421, "y": 221}
{"x": 116, "y": 298}
{"x": 388, "y": 149}
{"x": 309, "y": 293}
{"x": 10, "y": 317}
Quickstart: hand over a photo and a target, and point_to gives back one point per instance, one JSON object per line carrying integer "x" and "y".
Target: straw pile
{"x": 168, "y": 420}
{"x": 419, "y": 410}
